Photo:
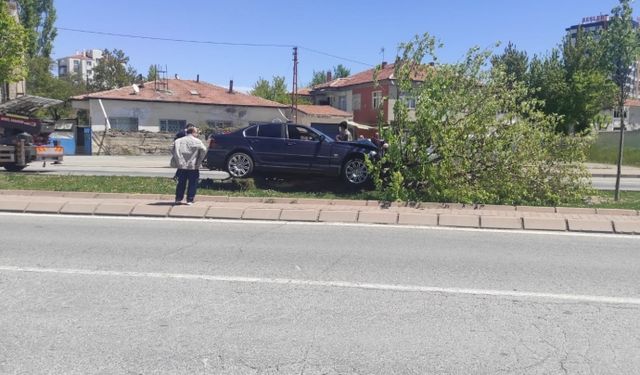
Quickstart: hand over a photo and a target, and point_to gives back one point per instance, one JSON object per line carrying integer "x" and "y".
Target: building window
{"x": 218, "y": 127}
{"x": 616, "y": 113}
{"x": 409, "y": 101}
{"x": 62, "y": 70}
{"x": 126, "y": 124}
{"x": 172, "y": 126}
{"x": 376, "y": 97}
{"x": 76, "y": 66}
{"x": 355, "y": 102}
{"x": 342, "y": 102}
{"x": 88, "y": 63}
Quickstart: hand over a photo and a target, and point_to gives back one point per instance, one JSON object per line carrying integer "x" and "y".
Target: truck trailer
{"x": 24, "y": 138}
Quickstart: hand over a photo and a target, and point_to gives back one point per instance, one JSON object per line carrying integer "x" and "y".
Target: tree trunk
{"x": 620, "y": 147}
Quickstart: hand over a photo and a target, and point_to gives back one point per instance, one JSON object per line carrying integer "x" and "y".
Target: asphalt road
{"x": 142, "y": 296}
{"x": 132, "y": 166}
{"x": 609, "y": 183}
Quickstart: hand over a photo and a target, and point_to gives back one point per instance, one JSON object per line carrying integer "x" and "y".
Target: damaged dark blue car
{"x": 289, "y": 148}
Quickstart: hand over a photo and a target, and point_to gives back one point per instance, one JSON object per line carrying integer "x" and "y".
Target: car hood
{"x": 361, "y": 143}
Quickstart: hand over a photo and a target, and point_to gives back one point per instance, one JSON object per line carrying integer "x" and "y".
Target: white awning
{"x": 353, "y": 124}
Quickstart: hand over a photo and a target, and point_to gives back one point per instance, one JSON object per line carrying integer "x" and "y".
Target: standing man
{"x": 344, "y": 135}
{"x": 187, "y": 155}
{"x": 183, "y": 131}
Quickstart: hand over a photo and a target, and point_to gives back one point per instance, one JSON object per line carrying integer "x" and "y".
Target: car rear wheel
{"x": 240, "y": 165}
{"x": 355, "y": 171}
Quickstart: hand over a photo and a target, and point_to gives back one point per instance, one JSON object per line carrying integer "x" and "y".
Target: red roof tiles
{"x": 184, "y": 91}
{"x": 387, "y": 72}
{"x": 632, "y": 103}
{"x": 322, "y": 110}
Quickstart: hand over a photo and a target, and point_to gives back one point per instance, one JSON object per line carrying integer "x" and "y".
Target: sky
{"x": 328, "y": 32}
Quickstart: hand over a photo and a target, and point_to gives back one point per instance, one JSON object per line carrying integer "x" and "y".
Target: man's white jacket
{"x": 188, "y": 153}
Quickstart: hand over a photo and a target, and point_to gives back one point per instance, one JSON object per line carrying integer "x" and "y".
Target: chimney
{"x": 328, "y": 76}
{"x": 231, "y": 87}
{"x": 384, "y": 64}
{"x": 198, "y": 78}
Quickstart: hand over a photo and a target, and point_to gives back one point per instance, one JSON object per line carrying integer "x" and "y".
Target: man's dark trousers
{"x": 187, "y": 175}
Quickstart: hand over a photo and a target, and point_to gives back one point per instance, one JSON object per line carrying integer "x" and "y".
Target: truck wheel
{"x": 13, "y": 167}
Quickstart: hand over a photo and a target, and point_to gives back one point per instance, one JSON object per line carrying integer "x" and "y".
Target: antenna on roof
{"x": 161, "y": 82}
{"x": 382, "y": 52}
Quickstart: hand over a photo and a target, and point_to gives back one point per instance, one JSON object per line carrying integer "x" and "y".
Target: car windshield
{"x": 326, "y": 137}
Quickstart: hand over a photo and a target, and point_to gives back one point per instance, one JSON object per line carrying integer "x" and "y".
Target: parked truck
{"x": 24, "y": 138}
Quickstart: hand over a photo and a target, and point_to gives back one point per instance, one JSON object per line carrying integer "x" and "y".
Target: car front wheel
{"x": 355, "y": 171}
{"x": 240, "y": 165}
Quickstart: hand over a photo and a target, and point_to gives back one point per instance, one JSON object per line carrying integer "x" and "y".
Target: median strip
{"x": 327, "y": 211}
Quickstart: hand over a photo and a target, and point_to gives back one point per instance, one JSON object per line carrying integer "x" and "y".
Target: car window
{"x": 251, "y": 132}
{"x": 301, "y": 132}
{"x": 270, "y": 130}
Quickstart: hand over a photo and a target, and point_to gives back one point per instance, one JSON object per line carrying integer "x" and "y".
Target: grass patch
{"x": 258, "y": 187}
{"x": 604, "y": 199}
{"x": 605, "y": 149}
{"x": 321, "y": 188}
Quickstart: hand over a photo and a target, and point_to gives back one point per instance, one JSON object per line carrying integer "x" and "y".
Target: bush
{"x": 475, "y": 138}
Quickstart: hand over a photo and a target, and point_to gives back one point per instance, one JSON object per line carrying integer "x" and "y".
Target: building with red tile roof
{"x": 169, "y": 105}
{"x": 364, "y": 94}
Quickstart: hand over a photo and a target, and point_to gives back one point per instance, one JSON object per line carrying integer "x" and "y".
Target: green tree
{"x": 152, "y": 73}
{"x": 572, "y": 83}
{"x": 513, "y": 62}
{"x": 475, "y": 139}
{"x": 113, "y": 71}
{"x": 12, "y": 47}
{"x": 589, "y": 88}
{"x": 38, "y": 18}
{"x": 275, "y": 90}
{"x": 341, "y": 71}
{"x": 318, "y": 78}
{"x": 621, "y": 41}
{"x": 547, "y": 82}
{"x": 53, "y": 87}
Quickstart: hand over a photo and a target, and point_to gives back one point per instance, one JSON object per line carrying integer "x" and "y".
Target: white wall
{"x": 149, "y": 114}
{"x": 632, "y": 122}
{"x": 393, "y": 94}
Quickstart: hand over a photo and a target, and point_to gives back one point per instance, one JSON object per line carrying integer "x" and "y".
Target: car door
{"x": 301, "y": 147}
{"x": 268, "y": 145}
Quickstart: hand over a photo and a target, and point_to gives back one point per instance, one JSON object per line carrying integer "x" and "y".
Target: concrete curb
{"x": 565, "y": 219}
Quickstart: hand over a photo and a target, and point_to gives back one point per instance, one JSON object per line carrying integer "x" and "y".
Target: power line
{"x": 177, "y": 40}
{"x": 335, "y": 56}
{"x": 271, "y": 45}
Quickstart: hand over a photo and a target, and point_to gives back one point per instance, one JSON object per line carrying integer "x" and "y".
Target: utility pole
{"x": 294, "y": 87}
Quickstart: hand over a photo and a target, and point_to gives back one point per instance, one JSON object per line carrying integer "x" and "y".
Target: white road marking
{"x": 335, "y": 284}
{"x": 305, "y": 223}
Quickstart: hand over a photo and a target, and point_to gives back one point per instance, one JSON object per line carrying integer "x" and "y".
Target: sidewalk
{"x": 319, "y": 210}
{"x": 610, "y": 170}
